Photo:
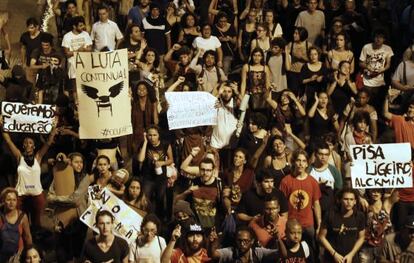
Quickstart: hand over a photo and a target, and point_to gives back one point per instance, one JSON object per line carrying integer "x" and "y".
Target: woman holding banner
{"x": 29, "y": 187}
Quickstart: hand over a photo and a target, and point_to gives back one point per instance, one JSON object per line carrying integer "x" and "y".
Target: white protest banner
{"x": 381, "y": 166}
{"x": 190, "y": 109}
{"x": 28, "y": 118}
{"x": 127, "y": 222}
{"x": 102, "y": 89}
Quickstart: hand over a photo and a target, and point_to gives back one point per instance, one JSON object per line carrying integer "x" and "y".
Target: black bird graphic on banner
{"x": 103, "y": 101}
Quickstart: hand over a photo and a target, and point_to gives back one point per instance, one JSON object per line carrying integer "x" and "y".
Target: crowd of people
{"x": 297, "y": 84}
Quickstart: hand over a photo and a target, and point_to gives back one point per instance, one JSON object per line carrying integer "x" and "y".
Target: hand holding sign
{"x": 381, "y": 165}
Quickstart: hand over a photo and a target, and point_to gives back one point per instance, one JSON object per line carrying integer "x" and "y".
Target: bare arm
{"x": 219, "y": 56}
{"x": 325, "y": 243}
{"x": 27, "y": 236}
{"x": 15, "y": 151}
{"x": 318, "y": 215}
{"x": 23, "y": 55}
{"x": 166, "y": 255}
{"x": 398, "y": 85}
{"x": 211, "y": 8}
{"x": 185, "y": 165}
{"x": 374, "y": 130}
{"x": 243, "y": 80}
{"x": 46, "y": 145}
{"x": 387, "y": 113}
{"x": 312, "y": 110}
{"x": 358, "y": 244}
{"x": 256, "y": 156}
{"x": 142, "y": 152}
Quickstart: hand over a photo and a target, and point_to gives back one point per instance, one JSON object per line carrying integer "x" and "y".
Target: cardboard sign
{"x": 127, "y": 222}
{"x": 102, "y": 88}
{"x": 190, "y": 109}
{"x": 381, "y": 166}
{"x": 27, "y": 118}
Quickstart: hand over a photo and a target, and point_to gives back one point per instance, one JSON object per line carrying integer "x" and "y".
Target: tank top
{"x": 28, "y": 178}
{"x": 378, "y": 225}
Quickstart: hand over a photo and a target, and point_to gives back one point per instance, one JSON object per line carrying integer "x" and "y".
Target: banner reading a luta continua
{"x": 102, "y": 88}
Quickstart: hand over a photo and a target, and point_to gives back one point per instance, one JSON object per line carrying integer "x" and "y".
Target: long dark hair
{"x": 157, "y": 56}
{"x": 142, "y": 200}
{"x": 150, "y": 90}
{"x": 340, "y": 194}
{"x": 255, "y": 50}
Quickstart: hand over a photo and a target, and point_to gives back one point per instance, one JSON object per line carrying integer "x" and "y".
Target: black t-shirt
{"x": 227, "y": 46}
{"x": 133, "y": 70}
{"x": 30, "y": 44}
{"x": 299, "y": 256}
{"x": 116, "y": 253}
{"x": 155, "y": 33}
{"x": 252, "y": 203}
{"x": 343, "y": 231}
{"x": 54, "y": 57}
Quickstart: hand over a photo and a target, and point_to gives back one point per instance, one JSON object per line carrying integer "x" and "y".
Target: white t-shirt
{"x": 105, "y": 34}
{"x": 74, "y": 42}
{"x": 277, "y": 78}
{"x": 409, "y": 73}
{"x": 211, "y": 43}
{"x": 324, "y": 176}
{"x": 149, "y": 253}
{"x": 314, "y": 24}
{"x": 376, "y": 58}
{"x": 278, "y": 31}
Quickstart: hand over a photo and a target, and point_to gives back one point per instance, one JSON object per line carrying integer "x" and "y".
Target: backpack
{"x": 10, "y": 235}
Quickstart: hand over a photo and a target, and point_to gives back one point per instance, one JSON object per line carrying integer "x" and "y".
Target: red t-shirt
{"x": 404, "y": 130}
{"x": 199, "y": 257}
{"x": 301, "y": 195}
{"x": 262, "y": 235}
{"x": 407, "y": 194}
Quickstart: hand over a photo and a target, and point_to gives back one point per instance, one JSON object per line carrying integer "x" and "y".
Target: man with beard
{"x": 342, "y": 232}
{"x": 252, "y": 203}
{"x": 205, "y": 195}
{"x": 244, "y": 251}
{"x": 210, "y": 75}
{"x": 137, "y": 13}
{"x": 77, "y": 40}
{"x": 182, "y": 215}
{"x": 135, "y": 43}
{"x": 227, "y": 115}
{"x": 191, "y": 248}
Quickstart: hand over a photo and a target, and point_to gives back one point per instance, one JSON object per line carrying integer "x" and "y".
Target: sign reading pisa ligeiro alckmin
{"x": 381, "y": 165}
{"x": 102, "y": 89}
{"x": 27, "y": 118}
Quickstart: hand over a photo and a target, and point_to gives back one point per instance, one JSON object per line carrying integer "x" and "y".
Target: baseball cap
{"x": 194, "y": 228}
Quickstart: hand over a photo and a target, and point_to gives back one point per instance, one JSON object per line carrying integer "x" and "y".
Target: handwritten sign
{"x": 27, "y": 118}
{"x": 190, "y": 109}
{"x": 102, "y": 88}
{"x": 127, "y": 222}
{"x": 381, "y": 165}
